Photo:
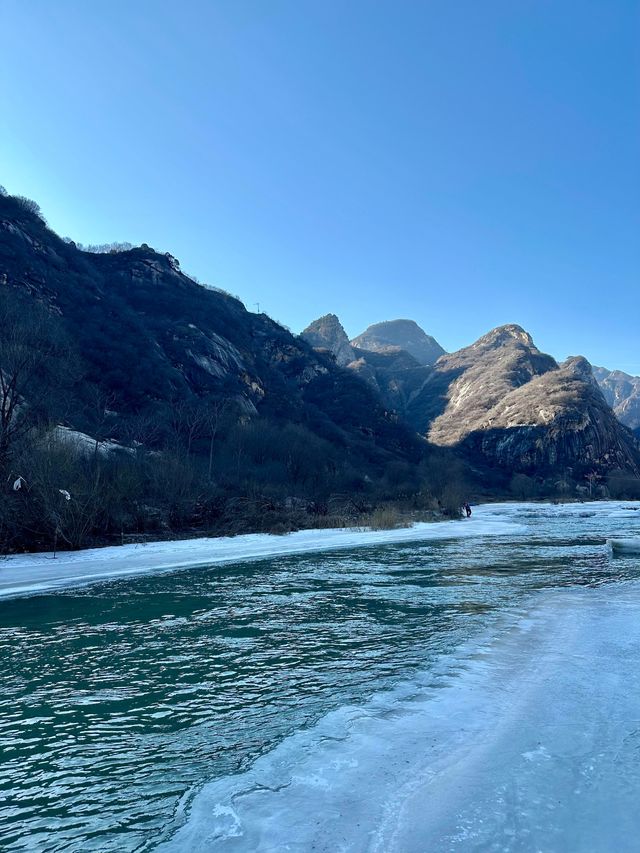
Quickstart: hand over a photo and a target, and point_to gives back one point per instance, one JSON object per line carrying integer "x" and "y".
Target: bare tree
{"x": 29, "y": 204}
{"x": 187, "y": 424}
{"x": 214, "y": 413}
{"x": 30, "y": 352}
{"x": 592, "y": 478}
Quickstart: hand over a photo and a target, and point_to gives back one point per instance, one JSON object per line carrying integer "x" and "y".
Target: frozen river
{"x": 476, "y": 693}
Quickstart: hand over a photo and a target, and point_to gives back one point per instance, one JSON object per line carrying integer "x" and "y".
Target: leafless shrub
{"x": 385, "y": 518}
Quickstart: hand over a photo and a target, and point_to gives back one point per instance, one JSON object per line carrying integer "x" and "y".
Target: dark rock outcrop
{"x": 393, "y": 335}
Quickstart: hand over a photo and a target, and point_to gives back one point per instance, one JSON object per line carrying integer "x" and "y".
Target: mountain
{"x": 151, "y": 337}
{"x": 400, "y": 334}
{"x": 190, "y": 412}
{"x": 228, "y": 403}
{"x": 395, "y": 374}
{"x": 500, "y": 402}
{"x": 503, "y": 401}
{"x": 327, "y": 333}
{"x": 622, "y": 393}
{"x": 465, "y": 385}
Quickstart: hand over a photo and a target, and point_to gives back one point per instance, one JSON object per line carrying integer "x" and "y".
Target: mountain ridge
{"x": 503, "y": 398}
{"x": 489, "y": 400}
{"x": 221, "y": 417}
{"x": 212, "y": 403}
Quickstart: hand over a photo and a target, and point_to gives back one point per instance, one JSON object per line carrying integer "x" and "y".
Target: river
{"x": 417, "y": 696}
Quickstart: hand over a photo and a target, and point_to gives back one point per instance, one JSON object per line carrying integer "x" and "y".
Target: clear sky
{"x": 464, "y": 163}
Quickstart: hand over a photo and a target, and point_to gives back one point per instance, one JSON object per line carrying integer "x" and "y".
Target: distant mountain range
{"x": 500, "y": 399}
{"x": 622, "y": 393}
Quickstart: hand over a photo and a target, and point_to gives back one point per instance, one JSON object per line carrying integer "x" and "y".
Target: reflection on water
{"x": 118, "y": 699}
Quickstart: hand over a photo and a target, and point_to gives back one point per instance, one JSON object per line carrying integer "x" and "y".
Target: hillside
{"x": 135, "y": 401}
{"x": 238, "y": 406}
{"x": 150, "y": 337}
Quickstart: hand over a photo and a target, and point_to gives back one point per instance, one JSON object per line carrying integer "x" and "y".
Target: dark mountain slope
{"x": 152, "y": 339}
{"x": 396, "y": 374}
{"x": 182, "y": 410}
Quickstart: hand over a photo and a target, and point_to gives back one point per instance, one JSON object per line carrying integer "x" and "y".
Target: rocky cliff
{"x": 501, "y": 402}
{"x": 622, "y": 393}
{"x": 327, "y": 333}
{"x": 400, "y": 335}
{"x": 467, "y": 384}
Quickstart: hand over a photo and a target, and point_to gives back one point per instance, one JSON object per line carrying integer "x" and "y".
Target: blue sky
{"x": 461, "y": 163}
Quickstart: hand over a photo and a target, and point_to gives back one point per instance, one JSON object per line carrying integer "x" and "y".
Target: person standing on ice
{"x": 467, "y": 509}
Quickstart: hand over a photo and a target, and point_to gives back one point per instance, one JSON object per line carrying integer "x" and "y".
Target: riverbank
{"x": 27, "y": 574}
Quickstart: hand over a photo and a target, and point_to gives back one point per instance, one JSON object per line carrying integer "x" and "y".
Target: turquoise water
{"x": 119, "y": 700}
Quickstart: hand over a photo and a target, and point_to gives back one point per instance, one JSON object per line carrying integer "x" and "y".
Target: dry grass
{"x": 386, "y": 518}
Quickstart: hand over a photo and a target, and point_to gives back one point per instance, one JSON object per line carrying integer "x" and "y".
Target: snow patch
{"x": 86, "y": 445}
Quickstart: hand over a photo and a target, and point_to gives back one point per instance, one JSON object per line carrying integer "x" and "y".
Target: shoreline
{"x": 38, "y": 573}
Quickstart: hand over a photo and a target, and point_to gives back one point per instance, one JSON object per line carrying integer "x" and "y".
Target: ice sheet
{"x": 526, "y": 741}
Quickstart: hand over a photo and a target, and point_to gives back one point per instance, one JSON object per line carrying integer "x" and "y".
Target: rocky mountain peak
{"x": 508, "y": 347}
{"x": 328, "y": 333}
{"x": 396, "y": 335}
{"x": 505, "y": 335}
{"x": 578, "y": 366}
